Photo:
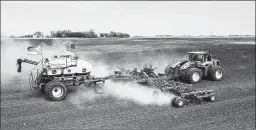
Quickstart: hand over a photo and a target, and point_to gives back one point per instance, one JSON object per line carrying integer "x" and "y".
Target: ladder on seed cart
{"x": 35, "y": 75}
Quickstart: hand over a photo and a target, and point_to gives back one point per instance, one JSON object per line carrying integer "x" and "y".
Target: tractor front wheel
{"x": 55, "y": 90}
{"x": 215, "y": 73}
{"x": 193, "y": 75}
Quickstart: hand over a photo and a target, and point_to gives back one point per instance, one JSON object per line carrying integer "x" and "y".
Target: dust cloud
{"x": 133, "y": 92}
{"x": 11, "y": 50}
{"x": 139, "y": 94}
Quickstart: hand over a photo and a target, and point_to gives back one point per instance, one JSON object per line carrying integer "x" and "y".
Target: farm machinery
{"x": 53, "y": 75}
{"x": 200, "y": 65}
{"x": 184, "y": 92}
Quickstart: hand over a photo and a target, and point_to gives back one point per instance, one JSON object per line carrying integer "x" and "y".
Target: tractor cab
{"x": 202, "y": 56}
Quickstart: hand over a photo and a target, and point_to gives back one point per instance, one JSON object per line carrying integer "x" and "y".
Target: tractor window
{"x": 196, "y": 57}
{"x": 192, "y": 57}
{"x": 200, "y": 58}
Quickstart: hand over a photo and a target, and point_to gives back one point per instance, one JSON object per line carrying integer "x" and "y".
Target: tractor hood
{"x": 186, "y": 65}
{"x": 182, "y": 64}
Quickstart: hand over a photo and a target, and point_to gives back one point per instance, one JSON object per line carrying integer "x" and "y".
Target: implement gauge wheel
{"x": 55, "y": 90}
{"x": 178, "y": 102}
{"x": 211, "y": 98}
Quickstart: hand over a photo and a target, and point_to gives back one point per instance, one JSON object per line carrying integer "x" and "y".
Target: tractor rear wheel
{"x": 55, "y": 90}
{"x": 215, "y": 73}
{"x": 193, "y": 75}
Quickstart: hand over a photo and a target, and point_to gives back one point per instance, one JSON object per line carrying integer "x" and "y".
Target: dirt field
{"x": 234, "y": 106}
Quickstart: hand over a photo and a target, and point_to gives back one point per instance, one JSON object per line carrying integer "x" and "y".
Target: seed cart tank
{"x": 66, "y": 65}
{"x": 53, "y": 75}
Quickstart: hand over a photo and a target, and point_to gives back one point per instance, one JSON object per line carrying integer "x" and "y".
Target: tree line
{"x": 84, "y": 34}
{"x": 115, "y": 34}
{"x": 70, "y": 34}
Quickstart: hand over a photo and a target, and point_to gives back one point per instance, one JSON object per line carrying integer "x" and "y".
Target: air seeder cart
{"x": 53, "y": 75}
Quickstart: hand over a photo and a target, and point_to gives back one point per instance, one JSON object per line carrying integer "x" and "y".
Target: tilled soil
{"x": 233, "y": 108}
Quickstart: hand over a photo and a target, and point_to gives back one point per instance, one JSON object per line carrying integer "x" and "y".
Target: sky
{"x": 144, "y": 18}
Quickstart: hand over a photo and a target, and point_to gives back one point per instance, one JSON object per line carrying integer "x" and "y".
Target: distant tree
{"x": 68, "y": 33}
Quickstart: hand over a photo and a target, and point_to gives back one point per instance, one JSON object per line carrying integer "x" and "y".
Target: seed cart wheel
{"x": 179, "y": 102}
{"x": 215, "y": 73}
{"x": 211, "y": 98}
{"x": 193, "y": 75}
{"x": 55, "y": 90}
{"x": 99, "y": 88}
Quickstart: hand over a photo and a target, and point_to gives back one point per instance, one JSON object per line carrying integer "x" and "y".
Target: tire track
{"x": 44, "y": 107}
{"x": 220, "y": 119}
{"x": 148, "y": 122}
{"x": 123, "y": 116}
{"x": 156, "y": 116}
{"x": 130, "y": 107}
{"x": 53, "y": 117}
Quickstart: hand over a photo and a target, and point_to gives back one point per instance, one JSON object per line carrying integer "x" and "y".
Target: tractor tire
{"x": 193, "y": 75}
{"x": 215, "y": 73}
{"x": 182, "y": 75}
{"x": 55, "y": 90}
{"x": 99, "y": 88}
{"x": 210, "y": 98}
{"x": 178, "y": 102}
